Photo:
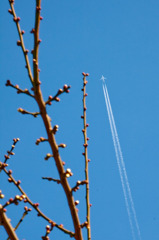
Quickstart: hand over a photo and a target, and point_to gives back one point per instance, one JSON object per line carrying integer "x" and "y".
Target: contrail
{"x": 121, "y": 165}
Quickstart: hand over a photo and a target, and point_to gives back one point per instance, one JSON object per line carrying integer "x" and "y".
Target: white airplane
{"x": 103, "y": 78}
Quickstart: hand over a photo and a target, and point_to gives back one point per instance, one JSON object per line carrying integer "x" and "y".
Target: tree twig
{"x": 7, "y": 225}
{"x": 21, "y": 41}
{"x": 85, "y": 153}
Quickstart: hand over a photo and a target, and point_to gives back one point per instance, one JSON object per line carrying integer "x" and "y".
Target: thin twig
{"x": 23, "y": 111}
{"x": 47, "y": 122}
{"x": 7, "y": 225}
{"x": 35, "y": 206}
{"x": 20, "y": 221}
{"x": 85, "y": 153}
{"x": 52, "y": 179}
{"x": 48, "y": 127}
{"x": 59, "y": 92}
{"x": 21, "y": 40}
{"x": 19, "y": 90}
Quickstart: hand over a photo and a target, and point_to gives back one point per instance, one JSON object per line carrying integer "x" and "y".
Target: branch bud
{"x": 55, "y": 129}
{"x": 68, "y": 172}
{"x": 10, "y": 11}
{"x": 19, "y": 43}
{"x": 48, "y": 155}
{"x": 16, "y": 19}
{"x": 62, "y": 145}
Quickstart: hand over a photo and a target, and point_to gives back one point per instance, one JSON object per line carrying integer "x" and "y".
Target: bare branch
{"x": 19, "y": 90}
{"x": 35, "y": 114}
{"x": 7, "y": 225}
{"x": 21, "y": 41}
{"x": 85, "y": 154}
{"x": 52, "y": 179}
{"x": 34, "y": 205}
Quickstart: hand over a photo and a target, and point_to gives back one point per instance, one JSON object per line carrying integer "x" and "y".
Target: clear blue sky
{"x": 119, "y": 39}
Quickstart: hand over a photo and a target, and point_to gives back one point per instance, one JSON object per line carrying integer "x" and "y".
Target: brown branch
{"x": 19, "y": 90}
{"x": 59, "y": 92}
{"x": 52, "y": 179}
{"x": 76, "y": 187}
{"x": 48, "y": 127}
{"x": 36, "y": 44}
{"x": 59, "y": 164}
{"x": 41, "y": 139}
{"x": 7, "y": 156}
{"x": 16, "y": 20}
{"x": 34, "y": 205}
{"x": 46, "y": 119}
{"x": 85, "y": 153}
{"x": 7, "y": 225}
{"x": 22, "y": 218}
{"x": 23, "y": 111}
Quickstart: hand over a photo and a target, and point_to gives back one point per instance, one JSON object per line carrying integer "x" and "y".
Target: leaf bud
{"x": 32, "y": 31}
{"x": 10, "y": 180}
{"x": 10, "y": 11}
{"x": 57, "y": 99}
{"x": 48, "y": 155}
{"x": 76, "y": 202}
{"x": 8, "y": 83}
{"x": 62, "y": 145}
{"x": 1, "y": 196}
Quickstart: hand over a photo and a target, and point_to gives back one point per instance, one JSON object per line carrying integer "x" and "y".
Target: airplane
{"x": 103, "y": 78}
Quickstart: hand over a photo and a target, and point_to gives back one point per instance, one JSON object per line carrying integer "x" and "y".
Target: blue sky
{"x": 117, "y": 39}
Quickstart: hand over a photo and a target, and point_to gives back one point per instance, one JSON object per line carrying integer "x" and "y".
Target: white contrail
{"x": 123, "y": 165}
{"x": 119, "y": 165}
